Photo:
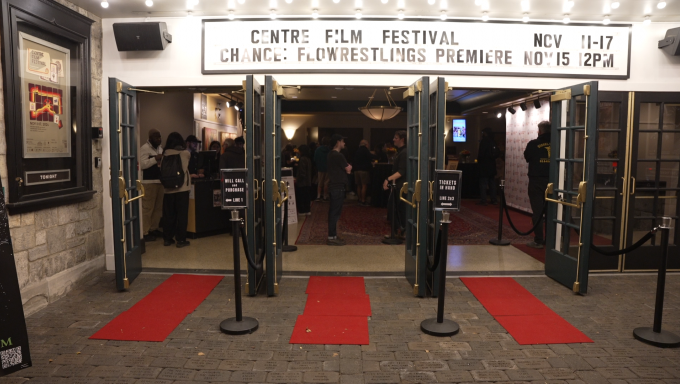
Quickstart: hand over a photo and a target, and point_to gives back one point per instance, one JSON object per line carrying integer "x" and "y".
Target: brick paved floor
{"x": 399, "y": 353}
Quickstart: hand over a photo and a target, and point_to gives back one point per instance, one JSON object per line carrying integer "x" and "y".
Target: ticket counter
{"x": 206, "y": 217}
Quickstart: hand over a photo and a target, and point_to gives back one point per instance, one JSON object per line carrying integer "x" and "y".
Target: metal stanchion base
{"x": 499, "y": 242}
{"x": 664, "y": 339}
{"x": 446, "y": 328}
{"x": 393, "y": 241}
{"x": 232, "y": 327}
{"x": 288, "y": 248}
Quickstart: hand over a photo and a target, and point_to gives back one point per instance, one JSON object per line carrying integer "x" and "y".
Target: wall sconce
{"x": 290, "y": 132}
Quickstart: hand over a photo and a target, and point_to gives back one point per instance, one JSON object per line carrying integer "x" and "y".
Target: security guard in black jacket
{"x": 537, "y": 154}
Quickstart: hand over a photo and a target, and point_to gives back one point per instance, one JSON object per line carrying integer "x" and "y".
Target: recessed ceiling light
{"x": 272, "y": 14}
{"x": 661, "y": 5}
{"x": 606, "y": 20}
{"x": 294, "y": 97}
{"x": 289, "y": 1}
{"x": 525, "y": 5}
{"x": 647, "y": 20}
{"x": 566, "y": 19}
{"x": 400, "y": 14}
{"x": 272, "y": 4}
{"x": 149, "y": 3}
{"x": 443, "y": 4}
{"x": 384, "y": 1}
{"x": 478, "y": 2}
{"x": 105, "y": 4}
{"x": 315, "y": 13}
{"x": 334, "y": 97}
{"x": 357, "y": 14}
{"x": 428, "y": 1}
{"x": 190, "y": 4}
{"x": 401, "y": 4}
{"x": 499, "y": 115}
{"x": 336, "y": 1}
{"x": 358, "y": 3}
{"x": 525, "y": 18}
{"x": 485, "y": 16}
{"x": 615, "y": 5}
{"x": 241, "y": 1}
{"x": 231, "y": 4}
{"x": 443, "y": 15}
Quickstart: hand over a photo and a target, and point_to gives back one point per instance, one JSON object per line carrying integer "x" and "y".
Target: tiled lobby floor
{"x": 398, "y": 351}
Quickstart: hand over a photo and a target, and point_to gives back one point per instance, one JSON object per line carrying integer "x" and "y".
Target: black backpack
{"x": 172, "y": 174}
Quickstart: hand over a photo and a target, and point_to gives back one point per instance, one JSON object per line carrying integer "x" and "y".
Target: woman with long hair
{"x": 176, "y": 200}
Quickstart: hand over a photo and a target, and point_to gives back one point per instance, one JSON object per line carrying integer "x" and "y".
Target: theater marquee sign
{"x": 418, "y": 47}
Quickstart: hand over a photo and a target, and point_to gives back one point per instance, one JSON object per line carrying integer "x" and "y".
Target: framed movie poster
{"x": 209, "y": 135}
{"x": 47, "y": 104}
{"x": 45, "y": 97}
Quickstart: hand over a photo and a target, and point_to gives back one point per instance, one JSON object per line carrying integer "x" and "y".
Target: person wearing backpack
{"x": 176, "y": 179}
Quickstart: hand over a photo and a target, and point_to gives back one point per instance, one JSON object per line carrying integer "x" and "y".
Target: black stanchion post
{"x": 285, "y": 247}
{"x": 655, "y": 336}
{"x": 441, "y": 326}
{"x": 238, "y": 325}
{"x": 393, "y": 239}
{"x": 499, "y": 240}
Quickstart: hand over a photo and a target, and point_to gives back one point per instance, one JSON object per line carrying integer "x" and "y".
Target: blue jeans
{"x": 483, "y": 183}
{"x": 337, "y": 198}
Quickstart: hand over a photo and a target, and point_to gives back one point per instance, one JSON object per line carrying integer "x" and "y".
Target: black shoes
{"x": 168, "y": 243}
{"x": 182, "y": 244}
{"x": 149, "y": 237}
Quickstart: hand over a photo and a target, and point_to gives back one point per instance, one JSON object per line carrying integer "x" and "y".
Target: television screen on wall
{"x": 459, "y": 131}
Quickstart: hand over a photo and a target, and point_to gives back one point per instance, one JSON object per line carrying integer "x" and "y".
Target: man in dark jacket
{"x": 338, "y": 169}
{"x": 398, "y": 177}
{"x": 537, "y": 154}
{"x": 486, "y": 157}
{"x": 321, "y": 161}
{"x": 234, "y": 156}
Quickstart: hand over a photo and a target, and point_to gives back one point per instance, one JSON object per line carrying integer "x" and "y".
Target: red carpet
{"x": 158, "y": 314}
{"x": 526, "y": 318}
{"x": 335, "y": 313}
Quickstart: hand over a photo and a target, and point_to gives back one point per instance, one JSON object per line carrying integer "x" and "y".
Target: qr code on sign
{"x": 11, "y": 357}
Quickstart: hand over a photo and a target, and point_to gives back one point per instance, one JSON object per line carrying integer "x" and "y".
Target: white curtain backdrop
{"x": 521, "y": 128}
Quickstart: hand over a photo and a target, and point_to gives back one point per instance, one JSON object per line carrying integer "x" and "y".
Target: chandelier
{"x": 380, "y": 112}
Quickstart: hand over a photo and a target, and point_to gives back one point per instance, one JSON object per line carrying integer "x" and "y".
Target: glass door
{"x": 253, "y": 133}
{"x": 571, "y": 185}
{"x": 611, "y": 156}
{"x": 126, "y": 189}
{"x": 653, "y": 184}
{"x": 417, "y": 104}
{"x": 273, "y": 186}
{"x": 435, "y": 160}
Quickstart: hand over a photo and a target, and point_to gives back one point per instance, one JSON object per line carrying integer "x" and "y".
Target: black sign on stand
{"x": 14, "y": 352}
{"x": 447, "y": 190}
{"x": 234, "y": 188}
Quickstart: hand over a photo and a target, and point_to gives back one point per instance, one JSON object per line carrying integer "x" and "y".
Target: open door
{"x": 416, "y": 188}
{"x": 435, "y": 160}
{"x": 254, "y": 136}
{"x": 274, "y": 188}
{"x": 570, "y": 191}
{"x": 126, "y": 189}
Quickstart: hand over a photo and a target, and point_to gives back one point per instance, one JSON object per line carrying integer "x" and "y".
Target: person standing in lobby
{"x": 234, "y": 156}
{"x": 193, "y": 145}
{"x": 321, "y": 161}
{"x": 303, "y": 182}
{"x": 537, "y": 154}
{"x": 363, "y": 162}
{"x": 338, "y": 169}
{"x": 176, "y": 200}
{"x": 150, "y": 155}
{"x": 399, "y": 169}
{"x": 486, "y": 156}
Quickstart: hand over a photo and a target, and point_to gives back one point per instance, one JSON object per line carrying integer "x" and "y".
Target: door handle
{"x": 632, "y": 192}
{"x": 550, "y": 189}
{"x": 257, "y": 189}
{"x": 284, "y": 189}
{"x": 431, "y": 191}
{"x": 139, "y": 186}
{"x": 122, "y": 191}
{"x": 404, "y": 189}
{"x": 416, "y": 194}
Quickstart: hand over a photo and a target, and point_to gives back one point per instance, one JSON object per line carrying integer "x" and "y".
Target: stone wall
{"x": 56, "y": 247}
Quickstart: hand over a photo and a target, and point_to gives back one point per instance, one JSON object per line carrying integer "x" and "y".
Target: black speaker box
{"x": 151, "y": 36}
{"x": 671, "y": 43}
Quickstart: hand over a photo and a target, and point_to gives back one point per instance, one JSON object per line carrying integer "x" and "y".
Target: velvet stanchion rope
{"x": 633, "y": 247}
{"x": 437, "y": 251}
{"x": 507, "y": 214}
{"x": 250, "y": 260}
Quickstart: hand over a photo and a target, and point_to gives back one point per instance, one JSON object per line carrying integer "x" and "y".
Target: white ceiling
{"x": 544, "y": 10}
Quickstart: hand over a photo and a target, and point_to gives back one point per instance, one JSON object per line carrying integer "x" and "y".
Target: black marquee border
{"x": 416, "y": 72}
{"x": 56, "y": 19}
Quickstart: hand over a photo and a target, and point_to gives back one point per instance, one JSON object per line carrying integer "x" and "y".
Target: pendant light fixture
{"x": 382, "y": 112}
